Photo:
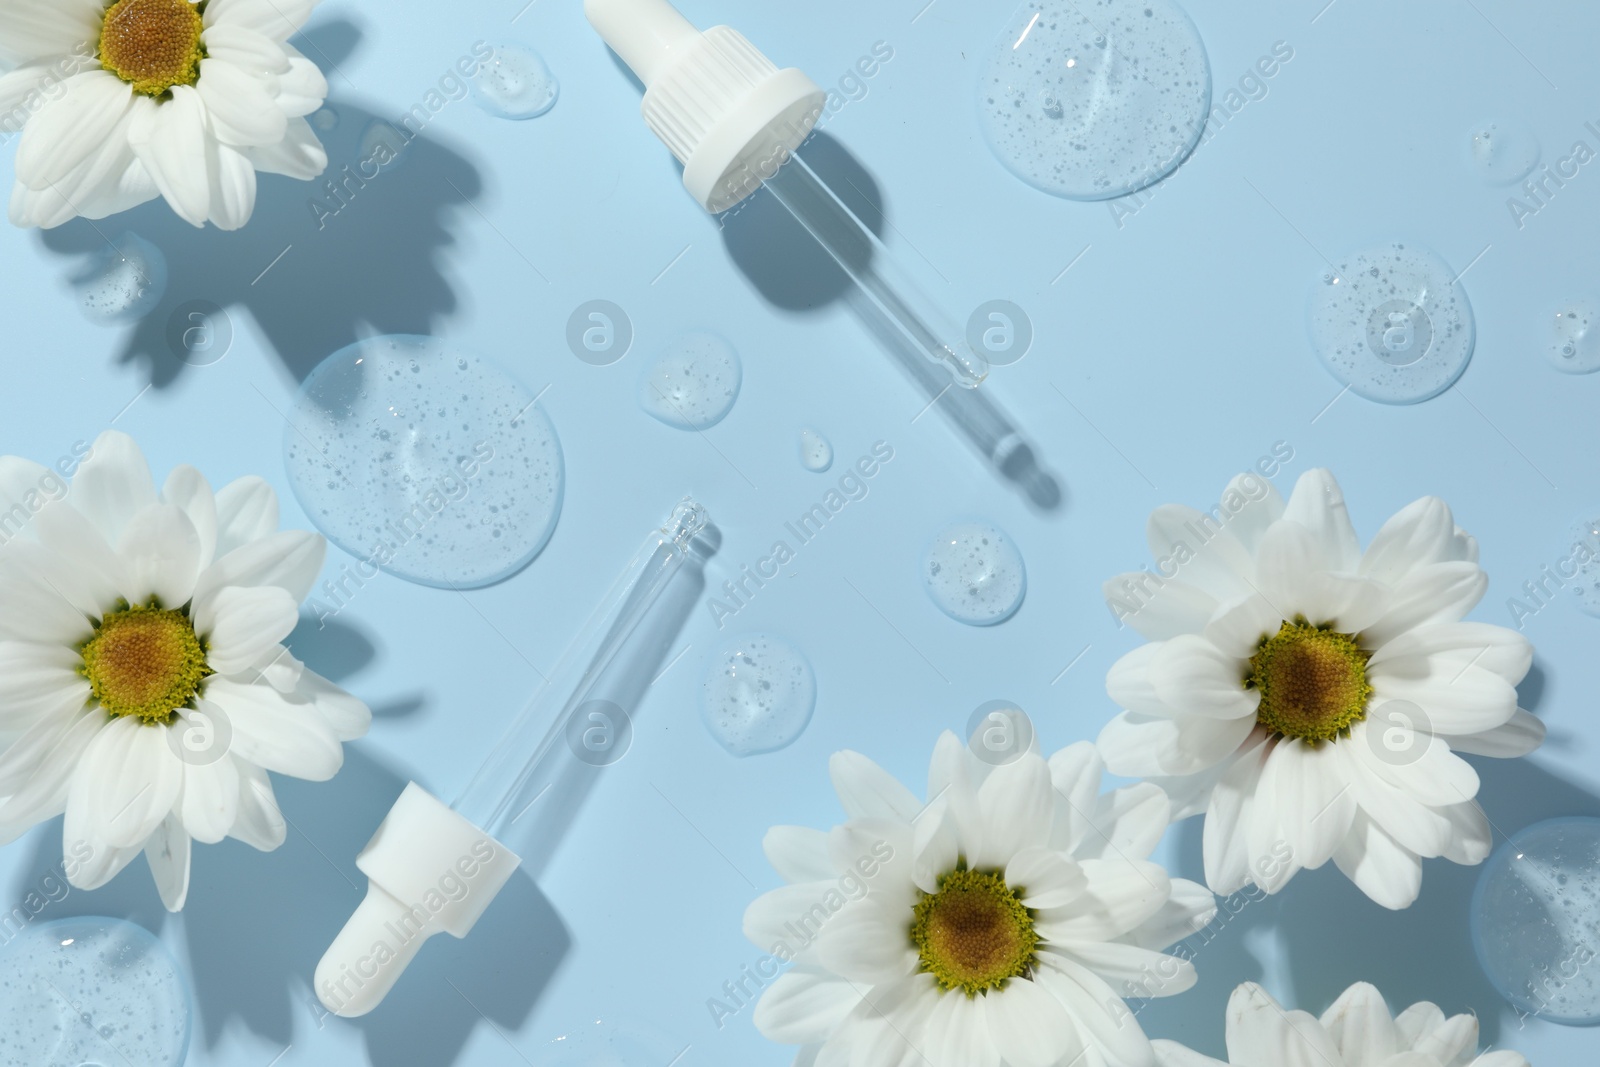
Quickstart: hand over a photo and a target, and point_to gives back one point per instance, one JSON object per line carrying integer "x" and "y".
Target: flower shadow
{"x": 321, "y": 263}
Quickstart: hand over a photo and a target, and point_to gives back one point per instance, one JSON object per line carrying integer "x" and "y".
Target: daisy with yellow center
{"x": 1309, "y": 697}
{"x": 1001, "y": 923}
{"x": 121, "y": 101}
{"x": 145, "y": 689}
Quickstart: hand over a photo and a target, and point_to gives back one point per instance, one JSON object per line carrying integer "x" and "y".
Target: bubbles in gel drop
{"x": 121, "y": 988}
{"x": 1536, "y": 920}
{"x": 1096, "y": 102}
{"x": 758, "y": 695}
{"x": 975, "y": 574}
{"x": 1582, "y": 547}
{"x": 816, "y": 451}
{"x": 692, "y": 383}
{"x": 1574, "y": 339}
{"x": 602, "y": 1043}
{"x": 1503, "y": 153}
{"x": 515, "y": 83}
{"x": 124, "y": 282}
{"x": 428, "y": 461}
{"x": 1393, "y": 324}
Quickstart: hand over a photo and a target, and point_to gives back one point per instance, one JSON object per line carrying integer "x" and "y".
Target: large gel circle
{"x": 1536, "y": 920}
{"x": 90, "y": 992}
{"x": 1095, "y": 99}
{"x": 757, "y": 695}
{"x": 425, "y": 460}
{"x": 1393, "y": 323}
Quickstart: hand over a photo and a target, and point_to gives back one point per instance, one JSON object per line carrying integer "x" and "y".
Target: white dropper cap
{"x": 725, "y": 110}
{"x": 429, "y": 870}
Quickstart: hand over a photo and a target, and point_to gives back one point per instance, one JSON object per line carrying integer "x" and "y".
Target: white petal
{"x": 1075, "y": 772}
{"x": 1129, "y": 684}
{"x": 277, "y": 19}
{"x": 126, "y": 782}
{"x": 1172, "y": 1054}
{"x": 247, "y": 510}
{"x": 1136, "y": 745}
{"x": 1317, "y": 503}
{"x": 38, "y": 680}
{"x": 1459, "y": 645}
{"x": 1108, "y": 1029}
{"x": 187, "y": 489}
{"x": 299, "y": 155}
{"x": 1420, "y": 765}
{"x": 1237, "y": 629}
{"x": 1190, "y": 910}
{"x": 161, "y": 551}
{"x": 210, "y": 793}
{"x": 867, "y": 791}
{"x": 1419, "y": 534}
{"x": 1290, "y": 578}
{"x": 1135, "y": 971}
{"x": 1416, "y": 1022}
{"x": 241, "y": 110}
{"x": 1379, "y": 866}
{"x": 958, "y": 1034}
{"x": 1045, "y": 879}
{"x": 70, "y": 129}
{"x": 250, "y": 50}
{"x": 1311, "y": 792}
{"x": 1518, "y": 737}
{"x": 240, "y": 624}
{"x": 1455, "y": 701}
{"x": 1127, "y": 822}
{"x": 866, "y": 943}
{"x": 1192, "y": 675}
{"x": 804, "y": 1006}
{"x": 38, "y": 768}
{"x": 167, "y": 852}
{"x": 260, "y": 824}
{"x": 102, "y": 863}
{"x": 1471, "y": 838}
{"x": 348, "y": 717}
{"x": 1016, "y": 803}
{"x": 302, "y": 88}
{"x": 798, "y": 853}
{"x": 1157, "y": 608}
{"x": 102, "y": 574}
{"x": 171, "y": 143}
{"x": 30, "y": 29}
{"x": 1451, "y": 1043}
{"x": 43, "y": 601}
{"x": 1190, "y": 544}
{"x": 1226, "y": 837}
{"x": 1030, "y": 1027}
{"x": 1359, "y": 1024}
{"x": 290, "y": 560}
{"x": 113, "y": 484}
{"x": 1120, "y": 895}
{"x": 272, "y": 733}
{"x": 1437, "y": 593}
{"x": 1259, "y": 1031}
{"x": 233, "y": 186}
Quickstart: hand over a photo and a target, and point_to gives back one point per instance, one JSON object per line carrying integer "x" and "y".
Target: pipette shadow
{"x": 559, "y": 787}
{"x": 794, "y": 273}
{"x": 318, "y": 266}
{"x": 1331, "y": 936}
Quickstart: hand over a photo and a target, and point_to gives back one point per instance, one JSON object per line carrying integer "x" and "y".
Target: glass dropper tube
{"x": 864, "y": 258}
{"x": 494, "y": 797}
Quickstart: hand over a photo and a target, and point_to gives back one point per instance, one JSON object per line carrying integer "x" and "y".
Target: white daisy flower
{"x": 144, "y": 686}
{"x": 122, "y": 102}
{"x": 1356, "y": 1032}
{"x": 1310, "y": 697}
{"x": 1000, "y": 924}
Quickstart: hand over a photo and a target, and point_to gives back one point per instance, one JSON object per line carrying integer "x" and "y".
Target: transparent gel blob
{"x": 1393, "y": 324}
{"x": 325, "y": 119}
{"x": 1573, "y": 343}
{"x": 603, "y": 1043}
{"x": 1092, "y": 99}
{"x": 91, "y": 992}
{"x": 122, "y": 283}
{"x": 1536, "y": 920}
{"x": 975, "y": 574}
{"x": 382, "y": 147}
{"x": 515, "y": 83}
{"x": 816, "y": 451}
{"x": 758, "y": 695}
{"x": 1502, "y": 153}
{"x": 425, "y": 460}
{"x": 1582, "y": 548}
{"x": 692, "y": 383}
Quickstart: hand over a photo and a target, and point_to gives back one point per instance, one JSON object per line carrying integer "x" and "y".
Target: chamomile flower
{"x": 120, "y": 102}
{"x": 1001, "y": 923}
{"x": 144, "y": 687}
{"x": 1356, "y": 1032}
{"x": 1309, "y": 697}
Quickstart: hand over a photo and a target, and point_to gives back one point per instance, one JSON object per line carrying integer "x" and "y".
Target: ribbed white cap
{"x": 724, "y": 109}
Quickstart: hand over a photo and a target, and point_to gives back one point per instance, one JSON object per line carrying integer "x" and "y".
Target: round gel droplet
{"x": 1098, "y": 102}
{"x": 1393, "y": 324}
{"x": 91, "y": 991}
{"x": 1502, "y": 153}
{"x": 758, "y": 695}
{"x": 816, "y": 451}
{"x": 1582, "y": 547}
{"x": 425, "y": 460}
{"x": 1573, "y": 344}
{"x": 1536, "y": 920}
{"x": 975, "y": 574}
{"x": 692, "y": 383}
{"x": 603, "y": 1043}
{"x": 382, "y": 147}
{"x": 515, "y": 83}
{"x": 122, "y": 283}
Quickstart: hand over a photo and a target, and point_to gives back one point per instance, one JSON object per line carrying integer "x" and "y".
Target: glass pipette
{"x": 431, "y": 868}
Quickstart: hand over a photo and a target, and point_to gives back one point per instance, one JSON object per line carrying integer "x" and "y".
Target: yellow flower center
{"x": 145, "y": 662}
{"x": 1312, "y": 680}
{"x": 973, "y": 934}
{"x": 152, "y": 44}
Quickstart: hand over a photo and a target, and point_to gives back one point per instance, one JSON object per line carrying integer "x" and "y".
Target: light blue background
{"x": 1179, "y": 338}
